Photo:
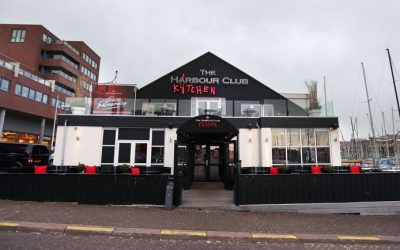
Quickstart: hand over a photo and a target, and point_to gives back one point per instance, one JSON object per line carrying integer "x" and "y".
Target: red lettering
{"x": 198, "y": 90}
{"x": 176, "y": 88}
{"x": 205, "y": 89}
{"x": 212, "y": 90}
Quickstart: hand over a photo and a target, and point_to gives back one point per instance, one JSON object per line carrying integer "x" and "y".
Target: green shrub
{"x": 284, "y": 169}
{"x": 124, "y": 168}
{"x": 80, "y": 167}
{"x": 327, "y": 169}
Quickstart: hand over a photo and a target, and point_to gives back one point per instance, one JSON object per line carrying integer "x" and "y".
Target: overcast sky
{"x": 280, "y": 43}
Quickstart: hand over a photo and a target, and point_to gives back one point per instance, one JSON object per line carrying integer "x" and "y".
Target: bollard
{"x": 169, "y": 194}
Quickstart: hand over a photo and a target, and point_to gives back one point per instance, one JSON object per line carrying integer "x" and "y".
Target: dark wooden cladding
{"x": 320, "y": 188}
{"x": 176, "y": 121}
{"x": 86, "y": 189}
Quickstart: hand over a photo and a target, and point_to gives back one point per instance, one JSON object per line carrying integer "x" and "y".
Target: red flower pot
{"x": 40, "y": 169}
{"x": 90, "y": 169}
{"x": 273, "y": 170}
{"x": 135, "y": 171}
{"x": 316, "y": 169}
{"x": 355, "y": 169}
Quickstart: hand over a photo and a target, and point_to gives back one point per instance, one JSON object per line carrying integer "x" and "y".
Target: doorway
{"x": 207, "y": 162}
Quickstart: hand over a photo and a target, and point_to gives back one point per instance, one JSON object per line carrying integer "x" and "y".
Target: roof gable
{"x": 207, "y": 76}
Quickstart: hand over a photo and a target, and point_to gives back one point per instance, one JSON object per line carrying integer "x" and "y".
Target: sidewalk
{"x": 210, "y": 224}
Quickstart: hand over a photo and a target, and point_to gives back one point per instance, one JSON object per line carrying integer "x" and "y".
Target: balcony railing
{"x": 67, "y": 45}
{"x": 143, "y": 107}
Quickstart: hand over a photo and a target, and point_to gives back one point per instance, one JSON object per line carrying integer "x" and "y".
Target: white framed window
{"x": 168, "y": 109}
{"x": 212, "y": 106}
{"x": 18, "y": 36}
{"x": 300, "y": 146}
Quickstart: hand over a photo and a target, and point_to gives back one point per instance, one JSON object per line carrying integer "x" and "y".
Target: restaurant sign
{"x": 207, "y": 83}
{"x": 208, "y": 123}
{"x": 113, "y": 99}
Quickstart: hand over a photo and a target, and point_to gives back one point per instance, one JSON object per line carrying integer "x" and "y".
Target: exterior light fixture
{"x": 170, "y": 125}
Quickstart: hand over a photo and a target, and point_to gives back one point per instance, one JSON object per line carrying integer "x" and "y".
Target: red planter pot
{"x": 273, "y": 170}
{"x": 316, "y": 169}
{"x": 135, "y": 171}
{"x": 355, "y": 169}
{"x": 40, "y": 169}
{"x": 90, "y": 169}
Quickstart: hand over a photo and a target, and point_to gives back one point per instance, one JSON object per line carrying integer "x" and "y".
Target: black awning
{"x": 207, "y": 128}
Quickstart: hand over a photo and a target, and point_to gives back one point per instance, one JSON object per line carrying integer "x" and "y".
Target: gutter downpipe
{"x": 64, "y": 141}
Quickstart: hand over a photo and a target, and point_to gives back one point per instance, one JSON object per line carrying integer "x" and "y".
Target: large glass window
{"x": 108, "y": 148}
{"x": 300, "y": 146}
{"x": 140, "y": 152}
{"x": 18, "y": 36}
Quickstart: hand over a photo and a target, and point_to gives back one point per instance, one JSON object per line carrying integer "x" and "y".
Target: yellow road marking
{"x": 9, "y": 224}
{"x": 183, "y": 232}
{"x": 95, "y": 229}
{"x": 273, "y": 236}
{"x": 351, "y": 237}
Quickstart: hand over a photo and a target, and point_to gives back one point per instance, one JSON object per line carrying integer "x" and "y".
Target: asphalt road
{"x": 25, "y": 240}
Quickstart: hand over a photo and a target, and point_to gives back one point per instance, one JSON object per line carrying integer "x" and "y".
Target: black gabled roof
{"x": 162, "y": 88}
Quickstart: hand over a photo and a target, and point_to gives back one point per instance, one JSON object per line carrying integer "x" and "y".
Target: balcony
{"x": 61, "y": 46}
{"x": 59, "y": 63}
{"x": 113, "y": 105}
{"x": 64, "y": 81}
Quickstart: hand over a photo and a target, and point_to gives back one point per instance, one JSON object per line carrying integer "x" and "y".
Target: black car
{"x": 19, "y": 156}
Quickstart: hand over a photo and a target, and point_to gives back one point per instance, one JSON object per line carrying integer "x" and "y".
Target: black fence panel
{"x": 85, "y": 189}
{"x": 316, "y": 188}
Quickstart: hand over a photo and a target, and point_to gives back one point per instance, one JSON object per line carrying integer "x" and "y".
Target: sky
{"x": 280, "y": 43}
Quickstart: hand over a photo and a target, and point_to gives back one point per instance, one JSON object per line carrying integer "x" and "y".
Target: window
{"x": 18, "y": 89}
{"x": 89, "y": 60}
{"x": 108, "y": 148}
{"x": 157, "y": 148}
{"x": 88, "y": 73}
{"x": 31, "y": 94}
{"x": 18, "y": 36}
{"x": 4, "y": 84}
{"x": 47, "y": 39}
{"x": 268, "y": 110}
{"x": 25, "y": 91}
{"x": 300, "y": 146}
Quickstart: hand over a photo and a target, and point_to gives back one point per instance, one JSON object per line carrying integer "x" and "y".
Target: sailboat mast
{"x": 368, "y": 100}
{"x": 386, "y": 136}
{"x": 375, "y": 151}
{"x": 394, "y": 82}
{"x": 326, "y": 107}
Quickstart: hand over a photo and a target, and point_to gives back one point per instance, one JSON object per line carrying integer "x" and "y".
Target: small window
{"x": 4, "y": 84}
{"x": 18, "y": 36}
{"x": 31, "y": 94}
{"x": 25, "y": 91}
{"x": 18, "y": 89}
{"x": 38, "y": 96}
{"x": 44, "y": 100}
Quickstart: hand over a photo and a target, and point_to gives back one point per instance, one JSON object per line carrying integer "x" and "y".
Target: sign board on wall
{"x": 113, "y": 99}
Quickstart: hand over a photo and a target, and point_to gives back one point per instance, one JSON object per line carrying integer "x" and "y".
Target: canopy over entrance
{"x": 207, "y": 128}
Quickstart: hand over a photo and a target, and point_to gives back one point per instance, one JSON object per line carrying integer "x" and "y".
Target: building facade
{"x": 38, "y": 71}
{"x": 205, "y": 116}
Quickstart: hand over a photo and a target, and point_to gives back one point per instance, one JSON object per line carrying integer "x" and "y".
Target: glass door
{"x": 133, "y": 153}
{"x": 206, "y": 162}
{"x": 212, "y": 106}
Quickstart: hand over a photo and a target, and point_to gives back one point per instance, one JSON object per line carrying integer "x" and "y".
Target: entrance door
{"x": 206, "y": 162}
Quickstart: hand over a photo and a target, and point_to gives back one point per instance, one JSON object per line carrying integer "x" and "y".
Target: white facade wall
{"x": 266, "y": 147}
{"x": 170, "y": 137}
{"x": 82, "y": 145}
{"x": 249, "y": 147}
{"x": 336, "y": 158}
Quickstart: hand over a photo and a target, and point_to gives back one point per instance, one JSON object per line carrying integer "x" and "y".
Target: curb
{"x": 193, "y": 234}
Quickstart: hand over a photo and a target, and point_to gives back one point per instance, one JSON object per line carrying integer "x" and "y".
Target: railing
{"x": 68, "y": 46}
{"x": 316, "y": 188}
{"x": 85, "y": 189}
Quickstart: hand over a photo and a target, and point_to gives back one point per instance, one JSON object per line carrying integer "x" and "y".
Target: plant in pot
{"x": 327, "y": 169}
{"x": 124, "y": 168}
{"x": 284, "y": 169}
{"x": 79, "y": 168}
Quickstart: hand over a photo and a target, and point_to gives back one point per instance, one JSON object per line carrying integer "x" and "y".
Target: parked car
{"x": 20, "y": 156}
